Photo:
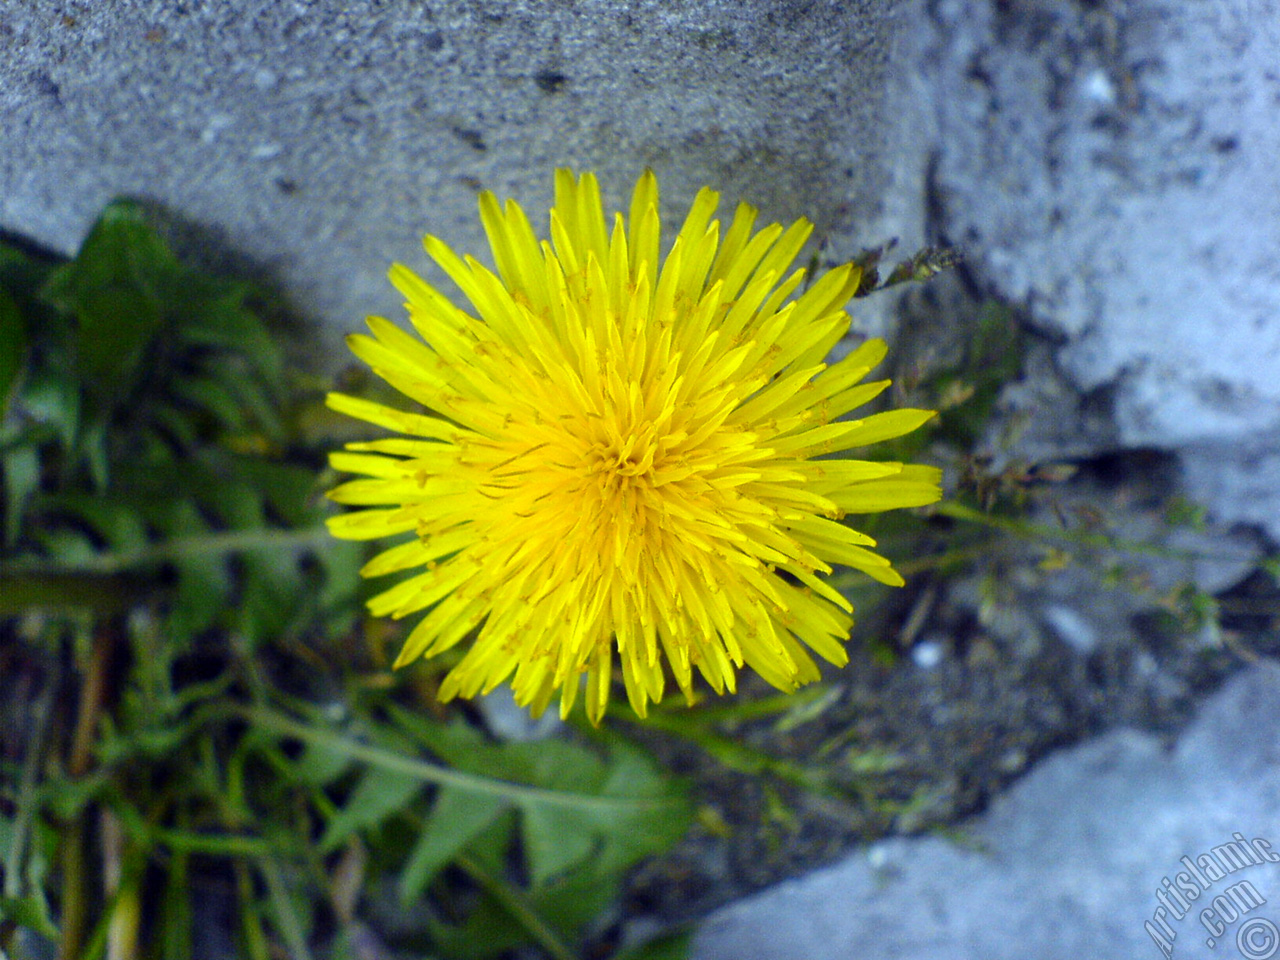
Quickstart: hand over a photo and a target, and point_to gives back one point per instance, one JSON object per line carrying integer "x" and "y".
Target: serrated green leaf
{"x": 117, "y": 522}
{"x": 576, "y": 898}
{"x": 652, "y": 812}
{"x": 321, "y": 766}
{"x": 606, "y": 811}
{"x": 111, "y": 289}
{"x": 456, "y": 819}
{"x": 287, "y": 488}
{"x": 341, "y": 562}
{"x": 72, "y": 549}
{"x": 53, "y": 399}
{"x": 269, "y": 596}
{"x": 174, "y": 429}
{"x": 93, "y": 447}
{"x": 214, "y": 397}
{"x": 204, "y": 582}
{"x": 557, "y": 838}
{"x": 379, "y": 794}
{"x": 646, "y": 828}
{"x": 21, "y": 474}
{"x": 225, "y": 494}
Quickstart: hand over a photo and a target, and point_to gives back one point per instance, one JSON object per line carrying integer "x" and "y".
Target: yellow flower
{"x": 618, "y": 463}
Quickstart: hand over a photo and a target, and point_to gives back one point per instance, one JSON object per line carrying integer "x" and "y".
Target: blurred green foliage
{"x": 196, "y": 709}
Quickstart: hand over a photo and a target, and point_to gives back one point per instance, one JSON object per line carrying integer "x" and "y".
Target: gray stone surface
{"x": 1111, "y": 166}
{"x": 320, "y": 140}
{"x": 1065, "y": 866}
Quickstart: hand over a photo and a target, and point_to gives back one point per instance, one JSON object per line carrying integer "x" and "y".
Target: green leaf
{"x": 176, "y": 926}
{"x": 31, "y": 912}
{"x": 320, "y": 765}
{"x": 1271, "y": 566}
{"x": 268, "y": 594}
{"x": 341, "y": 562}
{"x": 204, "y": 582}
{"x": 608, "y": 811}
{"x": 286, "y": 488}
{"x": 556, "y": 838}
{"x": 456, "y": 819}
{"x": 23, "y": 274}
{"x": 117, "y": 522}
{"x": 659, "y": 817}
{"x": 379, "y": 794}
{"x": 650, "y": 812}
{"x": 21, "y": 474}
{"x": 104, "y": 596}
{"x": 93, "y": 446}
{"x": 487, "y": 931}
{"x": 53, "y": 398}
{"x": 214, "y": 396}
{"x": 111, "y": 289}
{"x": 13, "y": 347}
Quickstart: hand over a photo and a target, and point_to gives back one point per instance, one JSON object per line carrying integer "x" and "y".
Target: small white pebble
{"x": 927, "y": 654}
{"x": 1073, "y": 629}
{"x": 1097, "y": 86}
{"x": 877, "y": 856}
{"x": 217, "y": 123}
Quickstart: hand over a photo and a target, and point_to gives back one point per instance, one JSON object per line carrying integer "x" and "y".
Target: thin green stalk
{"x": 103, "y": 594}
{"x": 92, "y": 696}
{"x": 74, "y": 870}
{"x": 740, "y": 710}
{"x": 443, "y": 776}
{"x": 737, "y": 755}
{"x": 25, "y": 801}
{"x": 216, "y": 845}
{"x": 176, "y": 931}
{"x": 176, "y": 548}
{"x": 932, "y": 561}
{"x": 75, "y": 909}
{"x": 255, "y": 938}
{"x": 1044, "y": 531}
{"x": 285, "y": 915}
{"x": 126, "y": 920}
{"x": 518, "y": 906}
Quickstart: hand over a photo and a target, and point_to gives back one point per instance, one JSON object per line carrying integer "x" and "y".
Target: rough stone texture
{"x": 1111, "y": 167}
{"x": 1065, "y": 865}
{"x": 317, "y": 141}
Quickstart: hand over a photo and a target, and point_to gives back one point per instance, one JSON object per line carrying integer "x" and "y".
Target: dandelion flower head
{"x": 621, "y": 463}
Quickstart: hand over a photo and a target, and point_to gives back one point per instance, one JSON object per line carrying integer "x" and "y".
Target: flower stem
{"x": 74, "y": 871}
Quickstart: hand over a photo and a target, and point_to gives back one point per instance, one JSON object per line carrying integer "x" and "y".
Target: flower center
{"x": 629, "y": 456}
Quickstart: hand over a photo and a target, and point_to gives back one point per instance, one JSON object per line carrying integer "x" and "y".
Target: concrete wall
{"x": 1111, "y": 167}
{"x": 315, "y": 142}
